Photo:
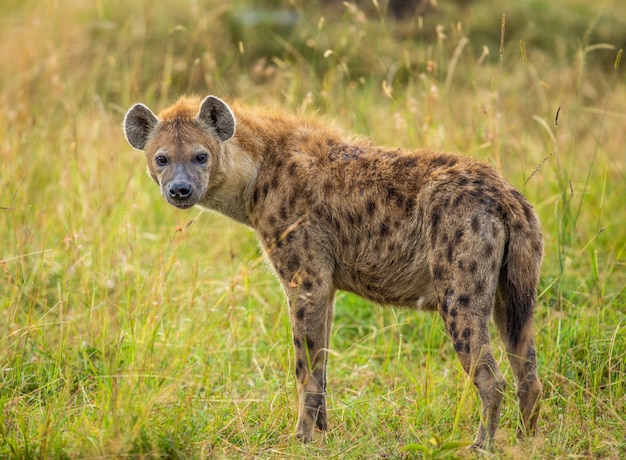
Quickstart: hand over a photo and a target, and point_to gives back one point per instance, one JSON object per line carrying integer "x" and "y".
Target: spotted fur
{"x": 420, "y": 229}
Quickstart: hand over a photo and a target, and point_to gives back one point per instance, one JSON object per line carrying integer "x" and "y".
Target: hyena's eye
{"x": 202, "y": 158}
{"x": 161, "y": 160}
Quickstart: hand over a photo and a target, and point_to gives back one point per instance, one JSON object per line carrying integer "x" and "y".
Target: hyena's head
{"x": 183, "y": 145}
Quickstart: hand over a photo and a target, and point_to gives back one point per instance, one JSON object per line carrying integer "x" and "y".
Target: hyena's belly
{"x": 388, "y": 279}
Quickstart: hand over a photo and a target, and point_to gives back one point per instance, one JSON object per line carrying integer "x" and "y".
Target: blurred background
{"x": 130, "y": 328}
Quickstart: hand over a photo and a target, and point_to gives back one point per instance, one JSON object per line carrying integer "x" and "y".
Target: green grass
{"x": 132, "y": 329}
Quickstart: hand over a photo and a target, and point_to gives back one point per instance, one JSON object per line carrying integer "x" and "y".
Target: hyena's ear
{"x": 215, "y": 113}
{"x": 139, "y": 123}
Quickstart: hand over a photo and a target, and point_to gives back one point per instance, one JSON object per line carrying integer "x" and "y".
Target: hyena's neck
{"x": 230, "y": 186}
{"x": 234, "y": 180}
{"x": 257, "y": 135}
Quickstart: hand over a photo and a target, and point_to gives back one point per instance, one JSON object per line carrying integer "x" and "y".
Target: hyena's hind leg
{"x": 466, "y": 289}
{"x": 517, "y": 333}
{"x": 465, "y": 277}
{"x": 467, "y": 322}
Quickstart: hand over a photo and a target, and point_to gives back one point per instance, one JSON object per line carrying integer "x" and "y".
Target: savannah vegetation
{"x": 131, "y": 329}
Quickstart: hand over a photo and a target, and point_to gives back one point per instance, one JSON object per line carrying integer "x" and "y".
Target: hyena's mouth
{"x": 181, "y": 205}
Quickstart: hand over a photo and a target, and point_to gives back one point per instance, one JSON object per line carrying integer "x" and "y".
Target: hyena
{"x": 421, "y": 229}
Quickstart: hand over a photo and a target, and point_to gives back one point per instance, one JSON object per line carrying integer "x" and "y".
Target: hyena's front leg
{"x": 311, "y": 309}
{"x": 305, "y": 269}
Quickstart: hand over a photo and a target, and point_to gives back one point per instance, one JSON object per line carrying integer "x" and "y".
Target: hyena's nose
{"x": 180, "y": 190}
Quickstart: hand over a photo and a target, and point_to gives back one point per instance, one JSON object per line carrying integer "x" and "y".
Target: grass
{"x": 132, "y": 329}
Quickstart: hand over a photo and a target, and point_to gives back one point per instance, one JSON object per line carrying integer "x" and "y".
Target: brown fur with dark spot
{"x": 418, "y": 229}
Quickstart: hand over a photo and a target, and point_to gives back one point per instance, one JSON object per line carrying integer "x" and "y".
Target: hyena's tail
{"x": 521, "y": 268}
{"x": 518, "y": 291}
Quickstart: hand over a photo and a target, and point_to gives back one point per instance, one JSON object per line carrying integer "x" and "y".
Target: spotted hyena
{"x": 420, "y": 229}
